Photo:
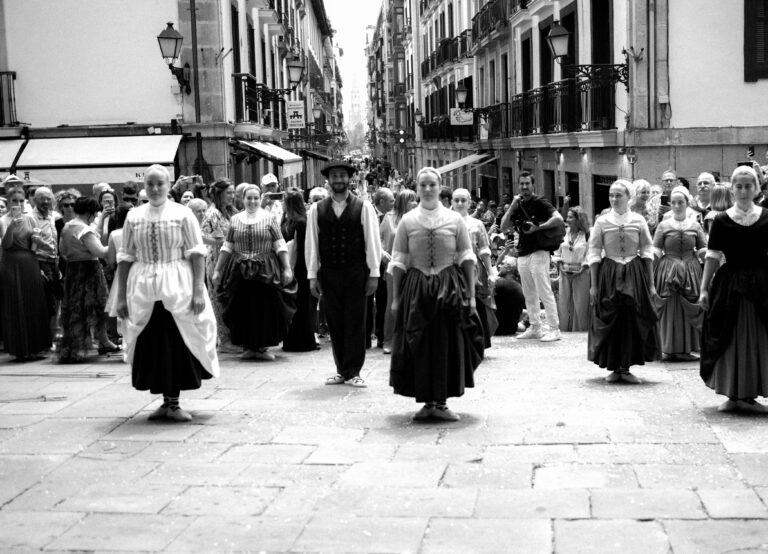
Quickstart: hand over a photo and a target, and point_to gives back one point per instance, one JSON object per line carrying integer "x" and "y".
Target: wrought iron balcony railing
{"x": 490, "y": 16}
{"x": 448, "y": 50}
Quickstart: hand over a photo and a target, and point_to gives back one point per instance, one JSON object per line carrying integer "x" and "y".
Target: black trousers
{"x": 376, "y": 315}
{"x": 345, "y": 307}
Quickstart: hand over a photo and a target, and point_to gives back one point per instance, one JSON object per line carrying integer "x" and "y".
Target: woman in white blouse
{"x": 170, "y": 330}
{"x": 573, "y": 295}
{"x": 734, "y": 353}
{"x": 623, "y": 330}
{"x": 438, "y": 341}
{"x": 254, "y": 281}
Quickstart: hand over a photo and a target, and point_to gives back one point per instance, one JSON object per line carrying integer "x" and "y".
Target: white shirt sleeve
{"x": 372, "y": 240}
{"x": 311, "y": 252}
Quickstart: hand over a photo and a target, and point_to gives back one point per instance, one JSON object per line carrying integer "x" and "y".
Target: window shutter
{"x": 755, "y": 40}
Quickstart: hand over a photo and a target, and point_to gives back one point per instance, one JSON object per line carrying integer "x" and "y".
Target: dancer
{"x": 734, "y": 353}
{"x": 343, "y": 253}
{"x": 623, "y": 331}
{"x": 254, "y": 281}
{"x": 170, "y": 329}
{"x": 485, "y": 273}
{"x": 677, "y": 276}
{"x": 438, "y": 340}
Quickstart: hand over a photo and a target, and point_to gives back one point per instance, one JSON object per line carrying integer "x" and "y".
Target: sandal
{"x": 356, "y": 382}
{"x": 337, "y": 379}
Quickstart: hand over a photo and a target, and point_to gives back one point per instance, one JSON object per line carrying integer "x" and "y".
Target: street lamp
{"x": 170, "y": 47}
{"x": 558, "y": 38}
{"x": 295, "y": 71}
{"x": 461, "y": 95}
{"x": 317, "y": 113}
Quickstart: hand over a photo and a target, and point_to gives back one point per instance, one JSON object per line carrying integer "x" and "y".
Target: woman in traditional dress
{"x": 573, "y": 292}
{"x": 734, "y": 353}
{"x": 485, "y": 273}
{"x": 170, "y": 330}
{"x": 85, "y": 287}
{"x": 623, "y": 330}
{"x": 23, "y": 306}
{"x": 405, "y": 201}
{"x": 677, "y": 276}
{"x": 301, "y": 334}
{"x": 438, "y": 341}
{"x": 215, "y": 228}
{"x": 254, "y": 280}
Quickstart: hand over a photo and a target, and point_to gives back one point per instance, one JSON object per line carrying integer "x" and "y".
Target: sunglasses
{"x": 67, "y": 205}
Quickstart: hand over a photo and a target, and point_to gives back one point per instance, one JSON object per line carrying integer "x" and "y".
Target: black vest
{"x": 341, "y": 239}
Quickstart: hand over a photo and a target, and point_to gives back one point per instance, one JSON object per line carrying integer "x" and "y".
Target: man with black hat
{"x": 343, "y": 252}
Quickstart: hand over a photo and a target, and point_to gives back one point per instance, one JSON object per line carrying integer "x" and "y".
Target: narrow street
{"x": 546, "y": 458}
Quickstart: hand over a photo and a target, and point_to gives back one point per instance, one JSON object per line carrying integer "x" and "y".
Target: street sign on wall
{"x": 294, "y": 110}
{"x": 461, "y": 117}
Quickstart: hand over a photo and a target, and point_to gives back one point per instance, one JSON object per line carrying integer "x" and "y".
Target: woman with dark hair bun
{"x": 23, "y": 306}
{"x": 301, "y": 333}
{"x": 85, "y": 288}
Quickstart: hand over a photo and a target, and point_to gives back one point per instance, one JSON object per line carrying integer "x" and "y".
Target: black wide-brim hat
{"x": 340, "y": 163}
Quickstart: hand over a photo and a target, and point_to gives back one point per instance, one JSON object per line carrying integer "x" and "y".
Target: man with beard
{"x": 528, "y": 214}
{"x": 343, "y": 252}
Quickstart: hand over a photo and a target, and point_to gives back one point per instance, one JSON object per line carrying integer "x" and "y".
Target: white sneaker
{"x": 530, "y": 333}
{"x": 551, "y": 336}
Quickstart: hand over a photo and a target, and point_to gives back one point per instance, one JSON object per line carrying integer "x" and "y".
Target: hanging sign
{"x": 294, "y": 110}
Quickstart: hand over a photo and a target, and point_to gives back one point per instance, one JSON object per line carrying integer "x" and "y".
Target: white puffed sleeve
{"x": 595, "y": 249}
{"x": 645, "y": 246}
{"x": 127, "y": 252}
{"x": 400, "y": 249}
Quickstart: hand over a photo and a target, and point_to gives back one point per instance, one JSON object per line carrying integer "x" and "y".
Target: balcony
{"x": 517, "y": 5}
{"x": 8, "y": 99}
{"x": 490, "y": 17}
{"x": 252, "y": 105}
{"x": 567, "y": 106}
{"x": 440, "y": 128}
{"x": 448, "y": 50}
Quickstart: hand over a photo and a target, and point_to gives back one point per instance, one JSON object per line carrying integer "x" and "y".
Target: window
{"x": 492, "y": 83}
{"x": 755, "y": 40}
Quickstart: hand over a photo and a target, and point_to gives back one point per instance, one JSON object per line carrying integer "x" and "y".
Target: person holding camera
{"x": 534, "y": 218}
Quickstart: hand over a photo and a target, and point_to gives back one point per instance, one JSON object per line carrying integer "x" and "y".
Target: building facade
{"x": 643, "y": 89}
{"x": 105, "y": 80}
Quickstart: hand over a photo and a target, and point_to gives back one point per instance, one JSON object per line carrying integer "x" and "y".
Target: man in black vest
{"x": 343, "y": 253}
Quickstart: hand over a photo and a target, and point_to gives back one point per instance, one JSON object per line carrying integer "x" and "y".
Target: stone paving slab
{"x": 545, "y": 459}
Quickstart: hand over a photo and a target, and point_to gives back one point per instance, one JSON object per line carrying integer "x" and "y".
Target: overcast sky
{"x": 349, "y": 19}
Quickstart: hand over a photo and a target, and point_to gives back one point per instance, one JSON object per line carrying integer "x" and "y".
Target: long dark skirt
{"x": 162, "y": 363}
{"x": 23, "y": 307}
{"x": 624, "y": 329}
{"x": 257, "y": 309}
{"x": 85, "y": 296}
{"x": 437, "y": 343}
{"x": 301, "y": 333}
{"x": 680, "y": 316}
{"x": 486, "y": 313}
{"x": 734, "y": 350}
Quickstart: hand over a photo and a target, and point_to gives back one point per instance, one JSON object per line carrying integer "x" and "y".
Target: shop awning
{"x": 84, "y": 160}
{"x": 8, "y": 150}
{"x": 316, "y": 155}
{"x": 292, "y": 164}
{"x": 474, "y": 159}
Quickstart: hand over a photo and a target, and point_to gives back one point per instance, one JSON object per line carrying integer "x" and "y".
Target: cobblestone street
{"x": 546, "y": 458}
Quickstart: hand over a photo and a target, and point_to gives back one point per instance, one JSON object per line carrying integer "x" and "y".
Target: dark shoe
{"x": 108, "y": 349}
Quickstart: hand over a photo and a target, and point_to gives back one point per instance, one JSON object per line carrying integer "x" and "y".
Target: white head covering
{"x": 628, "y": 185}
{"x": 746, "y": 170}
{"x": 681, "y": 190}
{"x": 268, "y": 179}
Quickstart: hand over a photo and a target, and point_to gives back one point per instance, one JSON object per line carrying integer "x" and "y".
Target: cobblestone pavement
{"x": 546, "y": 458}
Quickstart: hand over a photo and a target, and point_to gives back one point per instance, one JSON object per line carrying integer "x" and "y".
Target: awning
{"x": 316, "y": 155}
{"x": 478, "y": 159}
{"x": 87, "y": 160}
{"x": 8, "y": 151}
{"x": 291, "y": 163}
